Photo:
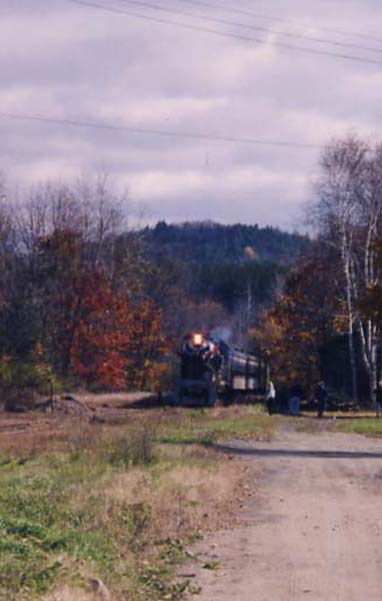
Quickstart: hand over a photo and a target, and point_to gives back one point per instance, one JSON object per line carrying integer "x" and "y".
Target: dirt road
{"x": 312, "y": 529}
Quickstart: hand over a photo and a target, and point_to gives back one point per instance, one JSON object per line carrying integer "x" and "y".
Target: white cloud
{"x": 62, "y": 60}
{"x": 158, "y": 110}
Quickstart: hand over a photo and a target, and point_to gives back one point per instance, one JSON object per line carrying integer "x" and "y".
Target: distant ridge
{"x": 207, "y": 242}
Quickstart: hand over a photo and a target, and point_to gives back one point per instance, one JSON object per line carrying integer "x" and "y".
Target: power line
{"x": 189, "y": 26}
{"x": 277, "y": 19}
{"x": 246, "y": 26}
{"x": 156, "y": 132}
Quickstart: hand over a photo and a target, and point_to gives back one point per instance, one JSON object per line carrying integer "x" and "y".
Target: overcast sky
{"x": 62, "y": 60}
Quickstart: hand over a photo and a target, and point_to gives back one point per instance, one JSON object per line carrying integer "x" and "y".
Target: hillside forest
{"x": 87, "y": 301}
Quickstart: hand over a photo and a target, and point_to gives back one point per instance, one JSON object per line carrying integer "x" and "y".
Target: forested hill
{"x": 213, "y": 243}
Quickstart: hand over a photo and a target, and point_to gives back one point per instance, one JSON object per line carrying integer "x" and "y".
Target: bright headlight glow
{"x": 197, "y": 339}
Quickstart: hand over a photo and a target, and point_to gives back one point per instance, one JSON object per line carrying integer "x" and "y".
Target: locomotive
{"x": 211, "y": 369}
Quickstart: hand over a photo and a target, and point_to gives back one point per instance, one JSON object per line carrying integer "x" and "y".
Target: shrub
{"x": 136, "y": 448}
{"x": 22, "y": 383}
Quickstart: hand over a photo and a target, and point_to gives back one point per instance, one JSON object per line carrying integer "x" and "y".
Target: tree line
{"x": 73, "y": 307}
{"x": 327, "y": 322}
{"x": 87, "y": 301}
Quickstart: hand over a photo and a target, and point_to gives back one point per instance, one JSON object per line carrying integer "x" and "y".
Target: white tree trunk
{"x": 350, "y": 317}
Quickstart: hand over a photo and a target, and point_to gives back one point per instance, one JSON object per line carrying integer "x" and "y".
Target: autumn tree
{"x": 116, "y": 344}
{"x": 58, "y": 230}
{"x": 292, "y": 332}
{"x": 86, "y": 275}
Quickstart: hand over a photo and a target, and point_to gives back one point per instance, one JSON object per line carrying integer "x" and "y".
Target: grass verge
{"x": 208, "y": 427}
{"x": 368, "y": 426}
{"x": 116, "y": 504}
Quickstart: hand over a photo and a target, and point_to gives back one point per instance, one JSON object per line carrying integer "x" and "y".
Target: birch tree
{"x": 348, "y": 218}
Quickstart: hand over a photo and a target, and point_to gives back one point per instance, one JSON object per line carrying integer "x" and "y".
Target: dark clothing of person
{"x": 271, "y": 406}
{"x": 321, "y": 394}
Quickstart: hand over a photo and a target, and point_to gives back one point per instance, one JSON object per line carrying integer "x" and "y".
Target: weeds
{"x": 156, "y": 581}
{"x": 37, "y": 526}
{"x": 172, "y": 551}
{"x": 135, "y": 449}
{"x": 367, "y": 426}
{"x": 206, "y": 428}
{"x": 117, "y": 502}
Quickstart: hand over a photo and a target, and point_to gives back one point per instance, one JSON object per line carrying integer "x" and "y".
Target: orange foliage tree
{"x": 116, "y": 344}
{"x": 291, "y": 334}
{"x": 92, "y": 327}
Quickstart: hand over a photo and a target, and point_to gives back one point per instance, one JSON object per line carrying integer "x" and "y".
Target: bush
{"x": 134, "y": 449}
{"x": 22, "y": 383}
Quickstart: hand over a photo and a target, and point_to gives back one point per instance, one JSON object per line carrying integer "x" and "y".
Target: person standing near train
{"x": 270, "y": 397}
{"x": 320, "y": 395}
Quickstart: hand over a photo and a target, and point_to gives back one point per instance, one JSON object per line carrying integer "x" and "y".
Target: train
{"x": 210, "y": 369}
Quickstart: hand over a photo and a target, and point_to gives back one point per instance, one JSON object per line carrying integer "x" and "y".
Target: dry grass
{"x": 119, "y": 501}
{"x": 72, "y": 594}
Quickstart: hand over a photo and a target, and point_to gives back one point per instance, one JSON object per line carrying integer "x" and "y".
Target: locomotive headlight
{"x": 197, "y": 339}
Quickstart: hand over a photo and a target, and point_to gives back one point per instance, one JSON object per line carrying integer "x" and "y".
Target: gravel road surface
{"x": 310, "y": 526}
